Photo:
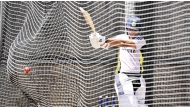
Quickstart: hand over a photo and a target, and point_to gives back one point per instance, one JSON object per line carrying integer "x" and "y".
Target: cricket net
{"x": 52, "y": 39}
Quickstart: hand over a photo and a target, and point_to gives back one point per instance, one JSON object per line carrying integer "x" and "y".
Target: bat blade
{"x": 88, "y": 20}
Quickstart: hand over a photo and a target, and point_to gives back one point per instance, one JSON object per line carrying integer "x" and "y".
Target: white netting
{"x": 52, "y": 39}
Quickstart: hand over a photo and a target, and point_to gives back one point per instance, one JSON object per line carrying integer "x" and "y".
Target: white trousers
{"x": 124, "y": 89}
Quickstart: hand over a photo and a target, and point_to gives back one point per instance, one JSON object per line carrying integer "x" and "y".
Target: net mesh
{"x": 52, "y": 39}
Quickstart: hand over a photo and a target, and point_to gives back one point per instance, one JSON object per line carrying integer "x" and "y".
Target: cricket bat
{"x": 88, "y": 20}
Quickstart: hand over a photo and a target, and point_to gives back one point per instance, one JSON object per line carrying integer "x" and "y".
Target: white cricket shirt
{"x": 130, "y": 57}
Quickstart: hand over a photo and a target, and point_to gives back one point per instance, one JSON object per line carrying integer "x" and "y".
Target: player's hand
{"x": 105, "y": 46}
{"x": 96, "y": 41}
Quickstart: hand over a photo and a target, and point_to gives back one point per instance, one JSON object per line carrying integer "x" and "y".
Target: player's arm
{"x": 120, "y": 42}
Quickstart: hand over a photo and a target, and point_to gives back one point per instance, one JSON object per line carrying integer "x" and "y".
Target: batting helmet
{"x": 133, "y": 23}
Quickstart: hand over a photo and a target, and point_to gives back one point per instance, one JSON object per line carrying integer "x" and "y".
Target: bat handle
{"x": 94, "y": 32}
{"x": 91, "y": 25}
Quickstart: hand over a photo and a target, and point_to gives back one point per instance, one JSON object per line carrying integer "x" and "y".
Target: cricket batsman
{"x": 129, "y": 84}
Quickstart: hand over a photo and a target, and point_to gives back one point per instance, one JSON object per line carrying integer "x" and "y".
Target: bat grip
{"x": 94, "y": 33}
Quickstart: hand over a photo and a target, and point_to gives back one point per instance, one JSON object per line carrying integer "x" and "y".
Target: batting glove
{"x": 97, "y": 40}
